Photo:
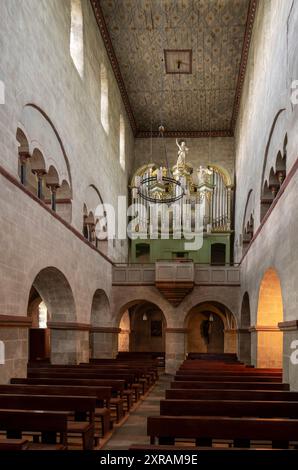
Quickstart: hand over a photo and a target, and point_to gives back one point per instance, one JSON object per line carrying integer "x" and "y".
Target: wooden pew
{"x": 147, "y": 375}
{"x": 211, "y": 394}
{"x": 72, "y": 404}
{"x": 228, "y": 370}
{"x": 230, "y": 385}
{"x": 116, "y": 387}
{"x": 14, "y": 444}
{"x": 232, "y": 408}
{"x": 205, "y": 428}
{"x": 224, "y": 357}
{"x": 227, "y": 378}
{"x": 220, "y": 372}
{"x": 144, "y": 376}
{"x": 80, "y": 374}
{"x": 48, "y": 423}
{"x": 101, "y": 394}
{"x": 128, "y": 379}
{"x": 272, "y": 453}
{"x": 199, "y": 366}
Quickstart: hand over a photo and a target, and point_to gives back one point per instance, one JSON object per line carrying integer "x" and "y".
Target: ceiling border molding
{"x": 113, "y": 60}
{"x": 253, "y": 5}
{"x": 190, "y": 134}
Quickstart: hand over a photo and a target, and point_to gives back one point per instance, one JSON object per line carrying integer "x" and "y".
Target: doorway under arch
{"x": 142, "y": 328}
{"x": 51, "y": 299}
{"x": 211, "y": 328}
{"x": 269, "y": 338}
{"x": 39, "y": 333}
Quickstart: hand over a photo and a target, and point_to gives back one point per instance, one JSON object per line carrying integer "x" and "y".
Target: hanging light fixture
{"x": 145, "y": 318}
{"x": 159, "y": 186}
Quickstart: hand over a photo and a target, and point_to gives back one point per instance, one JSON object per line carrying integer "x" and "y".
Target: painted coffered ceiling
{"x": 217, "y": 32}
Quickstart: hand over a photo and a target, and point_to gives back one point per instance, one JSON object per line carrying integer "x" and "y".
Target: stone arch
{"x": 270, "y": 144}
{"x": 224, "y": 337}
{"x": 248, "y": 222}
{"x": 269, "y": 339}
{"x": 37, "y": 161}
{"x": 41, "y": 133}
{"x": 100, "y": 337}
{"x": 23, "y": 140}
{"x": 43, "y": 165}
{"x": 100, "y": 308}
{"x": 274, "y": 163}
{"x": 142, "y": 327}
{"x": 93, "y": 225}
{"x": 244, "y": 338}
{"x": 55, "y": 291}
{"x": 148, "y": 296}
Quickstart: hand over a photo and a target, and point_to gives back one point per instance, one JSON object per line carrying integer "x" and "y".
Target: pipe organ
{"x": 206, "y": 190}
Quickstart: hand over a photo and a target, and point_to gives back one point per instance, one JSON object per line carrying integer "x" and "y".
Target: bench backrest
{"x": 203, "y": 427}
{"x": 227, "y": 378}
{"x": 209, "y": 394}
{"x": 105, "y": 386}
{"x": 100, "y": 393}
{"x": 49, "y": 403}
{"x": 33, "y": 421}
{"x": 128, "y": 378}
{"x": 234, "y": 408}
{"x": 230, "y": 385}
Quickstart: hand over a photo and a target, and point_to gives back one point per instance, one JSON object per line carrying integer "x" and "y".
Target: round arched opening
{"x": 51, "y": 303}
{"x": 269, "y": 343}
{"x": 142, "y": 329}
{"x": 211, "y": 328}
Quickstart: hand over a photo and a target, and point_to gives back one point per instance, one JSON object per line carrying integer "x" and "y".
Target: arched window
{"x": 104, "y": 98}
{"x": 76, "y": 46}
{"x": 122, "y": 143}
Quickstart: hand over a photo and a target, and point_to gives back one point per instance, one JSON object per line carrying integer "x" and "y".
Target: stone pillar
{"x": 69, "y": 342}
{"x": 39, "y": 174}
{"x": 104, "y": 342}
{"x": 290, "y": 345}
{"x": 244, "y": 345}
{"x": 230, "y": 340}
{"x": 24, "y": 156}
{"x": 267, "y": 347}
{"x": 14, "y": 346}
{"x": 91, "y": 232}
{"x": 53, "y": 188}
{"x": 175, "y": 348}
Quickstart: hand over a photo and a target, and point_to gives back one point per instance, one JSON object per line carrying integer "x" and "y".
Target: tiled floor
{"x": 134, "y": 429}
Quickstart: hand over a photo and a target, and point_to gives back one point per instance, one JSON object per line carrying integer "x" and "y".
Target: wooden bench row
{"x": 204, "y": 429}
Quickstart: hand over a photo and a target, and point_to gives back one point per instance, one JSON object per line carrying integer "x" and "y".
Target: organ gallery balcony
{"x": 175, "y": 278}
